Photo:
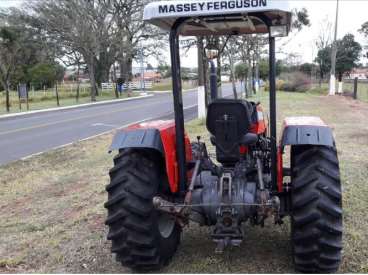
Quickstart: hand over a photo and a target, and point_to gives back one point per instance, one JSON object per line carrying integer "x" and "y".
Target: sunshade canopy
{"x": 219, "y": 17}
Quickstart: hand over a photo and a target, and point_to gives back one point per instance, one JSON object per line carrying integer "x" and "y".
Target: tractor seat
{"x": 229, "y": 122}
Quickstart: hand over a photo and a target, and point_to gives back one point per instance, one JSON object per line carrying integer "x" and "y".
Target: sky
{"x": 352, "y": 14}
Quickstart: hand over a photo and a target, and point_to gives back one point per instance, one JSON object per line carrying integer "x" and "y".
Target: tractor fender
{"x": 137, "y": 138}
{"x": 156, "y": 135}
{"x": 306, "y": 131}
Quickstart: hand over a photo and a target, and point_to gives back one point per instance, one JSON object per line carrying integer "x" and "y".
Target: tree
{"x": 348, "y": 53}
{"x": 10, "y": 47}
{"x": 34, "y": 49}
{"x": 364, "y": 29}
{"x": 241, "y": 71}
{"x": 76, "y": 25}
{"x": 231, "y": 52}
{"x": 323, "y": 60}
{"x": 134, "y": 34}
{"x": 45, "y": 75}
{"x": 164, "y": 70}
{"x": 301, "y": 19}
{"x": 323, "y": 40}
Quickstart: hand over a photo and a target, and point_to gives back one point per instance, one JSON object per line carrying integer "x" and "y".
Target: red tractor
{"x": 161, "y": 181}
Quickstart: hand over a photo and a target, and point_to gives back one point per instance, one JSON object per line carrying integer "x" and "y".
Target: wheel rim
{"x": 166, "y": 224}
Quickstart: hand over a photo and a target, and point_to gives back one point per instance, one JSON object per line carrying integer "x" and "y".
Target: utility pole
{"x": 332, "y": 90}
{"x": 143, "y": 84}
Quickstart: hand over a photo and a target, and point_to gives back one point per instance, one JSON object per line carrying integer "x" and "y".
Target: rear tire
{"x": 316, "y": 219}
{"x": 139, "y": 238}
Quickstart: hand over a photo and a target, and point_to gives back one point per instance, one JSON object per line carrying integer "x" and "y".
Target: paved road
{"x": 27, "y": 135}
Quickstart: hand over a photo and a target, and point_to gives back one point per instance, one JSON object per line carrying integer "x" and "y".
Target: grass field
{"x": 52, "y": 215}
{"x": 362, "y": 90}
{"x": 46, "y": 99}
{"x": 39, "y": 100}
{"x": 348, "y": 88}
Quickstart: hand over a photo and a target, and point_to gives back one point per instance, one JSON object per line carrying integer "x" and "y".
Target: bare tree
{"x": 74, "y": 59}
{"x": 10, "y": 48}
{"x": 232, "y": 56}
{"x": 323, "y": 40}
{"x": 134, "y": 35}
{"x": 83, "y": 26}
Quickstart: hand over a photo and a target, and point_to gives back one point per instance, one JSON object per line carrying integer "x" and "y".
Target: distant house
{"x": 360, "y": 73}
{"x": 149, "y": 75}
{"x": 71, "y": 75}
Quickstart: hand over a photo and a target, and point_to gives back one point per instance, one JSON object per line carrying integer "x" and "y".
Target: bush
{"x": 279, "y": 85}
{"x": 295, "y": 82}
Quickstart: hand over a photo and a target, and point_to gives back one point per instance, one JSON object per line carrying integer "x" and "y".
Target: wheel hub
{"x": 166, "y": 224}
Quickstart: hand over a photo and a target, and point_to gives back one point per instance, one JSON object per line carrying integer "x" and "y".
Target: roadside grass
{"x": 166, "y": 85}
{"x": 362, "y": 90}
{"x": 348, "y": 88}
{"x": 40, "y": 100}
{"x": 52, "y": 214}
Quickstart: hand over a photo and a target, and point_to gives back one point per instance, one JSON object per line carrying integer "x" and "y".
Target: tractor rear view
{"x": 161, "y": 180}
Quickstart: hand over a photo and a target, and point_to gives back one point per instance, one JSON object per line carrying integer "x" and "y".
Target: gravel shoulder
{"x": 52, "y": 215}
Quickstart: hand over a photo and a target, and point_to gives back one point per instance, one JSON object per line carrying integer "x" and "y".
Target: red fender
{"x": 168, "y": 138}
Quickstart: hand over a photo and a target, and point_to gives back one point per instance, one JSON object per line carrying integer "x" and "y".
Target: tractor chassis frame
{"x": 178, "y": 103}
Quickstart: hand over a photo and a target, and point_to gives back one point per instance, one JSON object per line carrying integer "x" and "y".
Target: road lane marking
{"x": 100, "y": 134}
{"x": 82, "y": 117}
{"x": 83, "y": 105}
{"x": 84, "y": 139}
{"x": 74, "y": 119}
{"x": 104, "y": 125}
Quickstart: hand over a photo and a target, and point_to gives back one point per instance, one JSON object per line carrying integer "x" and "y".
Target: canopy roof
{"x": 219, "y": 17}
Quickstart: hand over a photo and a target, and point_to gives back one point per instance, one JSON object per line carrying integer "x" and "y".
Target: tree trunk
{"x": 218, "y": 71}
{"x": 321, "y": 76}
{"x": 129, "y": 74}
{"x": 249, "y": 78}
{"x": 116, "y": 83}
{"x": 340, "y": 89}
{"x": 122, "y": 70}
{"x": 103, "y": 65}
{"x": 200, "y": 61}
{"x": 253, "y": 74}
{"x": 57, "y": 95}
{"x": 129, "y": 68}
{"x": 257, "y": 73}
{"x": 232, "y": 75}
{"x": 91, "y": 70}
{"x": 7, "y": 96}
{"x": 105, "y": 75}
{"x": 78, "y": 82}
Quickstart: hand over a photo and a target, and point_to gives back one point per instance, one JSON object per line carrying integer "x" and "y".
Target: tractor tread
{"x": 132, "y": 219}
{"x": 316, "y": 209}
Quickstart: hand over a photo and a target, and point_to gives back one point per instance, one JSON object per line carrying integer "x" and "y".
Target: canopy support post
{"x": 273, "y": 124}
{"x": 178, "y": 105}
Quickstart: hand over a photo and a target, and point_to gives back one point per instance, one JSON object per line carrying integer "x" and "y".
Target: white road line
{"x": 189, "y": 107}
{"x": 33, "y": 155}
{"x": 116, "y": 128}
{"x": 98, "y": 135}
{"x": 84, "y": 139}
{"x": 104, "y": 124}
{"x": 105, "y": 102}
